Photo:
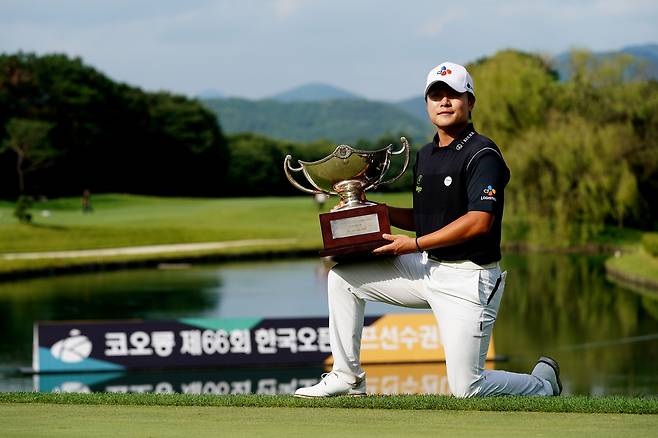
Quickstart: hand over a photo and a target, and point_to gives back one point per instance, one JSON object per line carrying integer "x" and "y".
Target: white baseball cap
{"x": 452, "y": 74}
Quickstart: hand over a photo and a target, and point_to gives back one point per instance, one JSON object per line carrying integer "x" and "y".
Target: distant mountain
{"x": 210, "y": 94}
{"x": 414, "y": 106}
{"x": 646, "y": 53}
{"x": 315, "y": 111}
{"x": 340, "y": 121}
{"x": 314, "y": 92}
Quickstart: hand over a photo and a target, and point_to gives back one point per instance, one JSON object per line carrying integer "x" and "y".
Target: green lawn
{"x": 568, "y": 404}
{"x": 127, "y": 220}
{"x": 117, "y": 415}
{"x": 156, "y": 421}
{"x": 637, "y": 269}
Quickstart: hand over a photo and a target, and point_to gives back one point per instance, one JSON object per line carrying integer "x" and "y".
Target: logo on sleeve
{"x": 447, "y": 181}
{"x": 419, "y": 188}
{"x": 489, "y": 193}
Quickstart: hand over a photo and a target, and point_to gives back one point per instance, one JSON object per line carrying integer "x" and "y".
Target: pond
{"x": 604, "y": 336}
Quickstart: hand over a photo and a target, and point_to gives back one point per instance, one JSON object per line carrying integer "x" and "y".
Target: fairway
{"x": 173, "y": 421}
{"x": 128, "y": 221}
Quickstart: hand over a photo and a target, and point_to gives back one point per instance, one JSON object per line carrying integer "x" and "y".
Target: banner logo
{"x": 73, "y": 349}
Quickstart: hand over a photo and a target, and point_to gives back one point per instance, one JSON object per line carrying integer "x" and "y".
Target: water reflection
{"x": 427, "y": 378}
{"x": 148, "y": 294}
{"x": 605, "y": 336}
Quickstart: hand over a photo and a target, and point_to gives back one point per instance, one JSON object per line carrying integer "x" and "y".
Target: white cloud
{"x": 286, "y": 8}
{"x": 443, "y": 22}
{"x": 257, "y": 48}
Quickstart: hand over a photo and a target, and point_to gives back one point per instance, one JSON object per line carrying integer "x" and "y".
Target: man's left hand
{"x": 399, "y": 245}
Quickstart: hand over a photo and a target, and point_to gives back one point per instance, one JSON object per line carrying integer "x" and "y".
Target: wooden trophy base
{"x": 354, "y": 233}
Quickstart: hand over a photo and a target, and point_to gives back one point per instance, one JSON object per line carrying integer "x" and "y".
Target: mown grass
{"x": 8, "y": 267}
{"x": 637, "y": 268}
{"x": 128, "y": 220}
{"x": 54, "y": 420}
{"x": 578, "y": 404}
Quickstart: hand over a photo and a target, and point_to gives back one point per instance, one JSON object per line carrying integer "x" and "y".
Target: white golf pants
{"x": 464, "y": 298}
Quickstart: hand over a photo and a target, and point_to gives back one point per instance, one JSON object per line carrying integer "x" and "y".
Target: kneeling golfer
{"x": 451, "y": 266}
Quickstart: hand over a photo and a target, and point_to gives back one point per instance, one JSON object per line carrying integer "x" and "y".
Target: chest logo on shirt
{"x": 419, "y": 188}
{"x": 489, "y": 191}
{"x": 447, "y": 181}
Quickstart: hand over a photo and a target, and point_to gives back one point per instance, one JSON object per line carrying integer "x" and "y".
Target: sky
{"x": 381, "y": 50}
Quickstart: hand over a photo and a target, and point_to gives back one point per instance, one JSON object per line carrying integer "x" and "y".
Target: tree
{"x": 570, "y": 177}
{"x": 514, "y": 92}
{"x": 29, "y": 140}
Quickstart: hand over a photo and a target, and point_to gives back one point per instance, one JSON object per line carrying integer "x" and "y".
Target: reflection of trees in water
{"x": 112, "y": 295}
{"x": 556, "y": 303}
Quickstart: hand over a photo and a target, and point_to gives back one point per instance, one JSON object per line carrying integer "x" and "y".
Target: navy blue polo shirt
{"x": 469, "y": 174}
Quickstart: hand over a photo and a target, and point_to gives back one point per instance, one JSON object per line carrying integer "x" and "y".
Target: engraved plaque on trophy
{"x": 355, "y": 225}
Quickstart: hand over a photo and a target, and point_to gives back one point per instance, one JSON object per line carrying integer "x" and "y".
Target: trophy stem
{"x": 351, "y": 195}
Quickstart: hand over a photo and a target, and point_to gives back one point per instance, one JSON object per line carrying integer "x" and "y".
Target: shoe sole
{"x": 556, "y": 369}
{"x": 327, "y": 396}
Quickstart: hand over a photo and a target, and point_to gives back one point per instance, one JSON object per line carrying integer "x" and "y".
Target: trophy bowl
{"x": 354, "y": 225}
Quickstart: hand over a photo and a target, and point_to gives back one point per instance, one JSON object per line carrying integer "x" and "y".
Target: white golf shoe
{"x": 332, "y": 385}
{"x": 548, "y": 369}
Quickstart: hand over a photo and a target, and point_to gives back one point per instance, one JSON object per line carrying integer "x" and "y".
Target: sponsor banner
{"x": 406, "y": 337}
{"x": 226, "y": 381}
{"x": 381, "y": 379}
{"x": 80, "y": 346}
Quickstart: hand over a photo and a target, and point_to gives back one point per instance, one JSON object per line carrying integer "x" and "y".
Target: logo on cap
{"x": 444, "y": 71}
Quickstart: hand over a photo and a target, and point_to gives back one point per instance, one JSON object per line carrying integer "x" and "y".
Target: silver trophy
{"x": 354, "y": 225}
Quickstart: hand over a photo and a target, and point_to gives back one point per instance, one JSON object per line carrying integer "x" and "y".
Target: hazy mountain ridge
{"x": 313, "y": 111}
{"x": 647, "y": 54}
{"x": 337, "y": 120}
{"x": 314, "y": 92}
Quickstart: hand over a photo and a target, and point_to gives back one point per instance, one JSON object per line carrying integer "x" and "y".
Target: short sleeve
{"x": 487, "y": 177}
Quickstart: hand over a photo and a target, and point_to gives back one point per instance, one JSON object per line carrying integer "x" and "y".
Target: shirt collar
{"x": 458, "y": 142}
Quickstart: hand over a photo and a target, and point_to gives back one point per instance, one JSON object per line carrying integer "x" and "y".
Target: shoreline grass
{"x": 566, "y": 404}
{"x": 129, "y": 220}
{"x": 121, "y": 220}
{"x": 638, "y": 269}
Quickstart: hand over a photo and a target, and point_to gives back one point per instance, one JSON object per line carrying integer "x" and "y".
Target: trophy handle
{"x": 405, "y": 149}
{"x": 287, "y": 167}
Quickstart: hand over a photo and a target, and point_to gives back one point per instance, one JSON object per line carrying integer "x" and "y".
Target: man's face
{"x": 446, "y": 107}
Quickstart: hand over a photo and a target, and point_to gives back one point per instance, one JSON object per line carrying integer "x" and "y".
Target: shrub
{"x": 650, "y": 243}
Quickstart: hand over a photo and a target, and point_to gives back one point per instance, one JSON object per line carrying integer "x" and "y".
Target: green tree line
{"x": 256, "y": 163}
{"x": 65, "y": 127}
{"x": 583, "y": 152}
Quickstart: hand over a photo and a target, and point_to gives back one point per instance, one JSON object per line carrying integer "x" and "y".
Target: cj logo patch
{"x": 489, "y": 193}
{"x": 419, "y": 188}
{"x": 447, "y": 181}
